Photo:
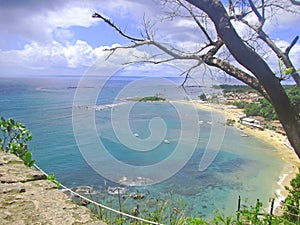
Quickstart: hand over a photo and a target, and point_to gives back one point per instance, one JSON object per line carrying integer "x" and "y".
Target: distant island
{"x": 151, "y": 99}
{"x": 155, "y": 98}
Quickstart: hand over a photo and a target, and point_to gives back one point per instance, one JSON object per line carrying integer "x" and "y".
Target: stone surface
{"x": 27, "y": 197}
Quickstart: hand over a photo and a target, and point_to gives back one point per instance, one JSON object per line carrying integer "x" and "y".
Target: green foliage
{"x": 292, "y": 203}
{"x": 51, "y": 177}
{"x": 289, "y": 71}
{"x": 222, "y": 219}
{"x": 293, "y": 93}
{"x": 253, "y": 214}
{"x": 152, "y": 99}
{"x": 252, "y": 109}
{"x": 265, "y": 109}
{"x": 168, "y": 211}
{"x": 171, "y": 211}
{"x": 260, "y": 108}
{"x": 27, "y": 158}
{"x": 240, "y": 105}
{"x": 196, "y": 221}
{"x": 14, "y": 138}
{"x": 203, "y": 97}
{"x": 236, "y": 88}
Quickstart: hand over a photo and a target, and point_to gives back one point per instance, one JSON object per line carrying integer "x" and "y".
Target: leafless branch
{"x": 189, "y": 9}
{"x": 148, "y": 26}
{"x": 188, "y": 71}
{"x": 266, "y": 39}
{"x": 288, "y": 49}
{"x": 176, "y": 54}
{"x": 261, "y": 19}
{"x": 231, "y": 8}
{"x": 150, "y": 61}
{"x": 295, "y": 2}
{"x": 106, "y": 20}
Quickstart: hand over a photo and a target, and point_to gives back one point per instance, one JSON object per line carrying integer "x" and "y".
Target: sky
{"x": 40, "y": 37}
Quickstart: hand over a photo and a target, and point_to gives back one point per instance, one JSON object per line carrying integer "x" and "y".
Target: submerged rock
{"x": 137, "y": 195}
{"x": 134, "y": 181}
{"x": 116, "y": 190}
{"x": 83, "y": 190}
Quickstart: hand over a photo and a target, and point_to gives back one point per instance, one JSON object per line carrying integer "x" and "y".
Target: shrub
{"x": 14, "y": 138}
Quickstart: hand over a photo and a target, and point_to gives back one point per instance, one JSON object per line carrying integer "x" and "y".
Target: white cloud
{"x": 294, "y": 53}
{"x": 71, "y": 16}
{"x": 36, "y": 22}
{"x": 63, "y": 35}
{"x": 79, "y": 56}
{"x": 51, "y": 44}
{"x": 35, "y": 57}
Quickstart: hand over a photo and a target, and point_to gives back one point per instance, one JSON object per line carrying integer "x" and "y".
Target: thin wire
{"x": 116, "y": 211}
{"x": 98, "y": 204}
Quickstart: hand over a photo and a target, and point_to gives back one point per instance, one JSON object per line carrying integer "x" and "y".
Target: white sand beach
{"x": 269, "y": 136}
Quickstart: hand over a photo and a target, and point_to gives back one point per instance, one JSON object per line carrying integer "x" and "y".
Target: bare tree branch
{"x": 288, "y": 49}
{"x": 106, "y": 20}
{"x": 261, "y": 19}
{"x": 252, "y": 69}
{"x": 295, "y": 2}
{"x": 253, "y": 62}
{"x": 280, "y": 54}
{"x": 189, "y": 9}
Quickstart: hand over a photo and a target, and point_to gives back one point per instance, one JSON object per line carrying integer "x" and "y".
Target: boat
{"x": 244, "y": 135}
{"x": 136, "y": 135}
{"x": 167, "y": 141}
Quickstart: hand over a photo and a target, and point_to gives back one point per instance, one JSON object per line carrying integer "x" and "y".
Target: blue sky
{"x": 40, "y": 37}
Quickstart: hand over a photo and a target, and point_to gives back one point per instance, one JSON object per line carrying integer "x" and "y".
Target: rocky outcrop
{"x": 27, "y": 197}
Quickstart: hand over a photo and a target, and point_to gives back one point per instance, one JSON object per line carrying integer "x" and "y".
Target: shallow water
{"x": 243, "y": 166}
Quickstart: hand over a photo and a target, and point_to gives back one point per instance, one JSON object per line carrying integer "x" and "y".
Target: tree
{"x": 291, "y": 204}
{"x": 295, "y": 2}
{"x": 252, "y": 109}
{"x": 14, "y": 138}
{"x": 203, "y": 97}
{"x": 294, "y": 95}
{"x": 232, "y": 52}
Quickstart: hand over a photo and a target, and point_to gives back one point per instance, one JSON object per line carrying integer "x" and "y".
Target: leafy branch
{"x": 14, "y": 138}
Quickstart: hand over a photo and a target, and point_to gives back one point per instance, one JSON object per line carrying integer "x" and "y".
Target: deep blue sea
{"x": 243, "y": 166}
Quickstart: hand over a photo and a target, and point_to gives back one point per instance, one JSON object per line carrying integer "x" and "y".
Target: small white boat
{"x": 167, "y": 141}
{"x": 136, "y": 135}
{"x": 244, "y": 135}
{"x": 200, "y": 122}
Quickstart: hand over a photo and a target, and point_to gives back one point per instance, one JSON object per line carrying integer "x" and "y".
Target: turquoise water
{"x": 244, "y": 166}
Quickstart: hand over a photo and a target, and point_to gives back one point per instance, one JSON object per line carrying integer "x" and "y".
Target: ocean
{"x": 93, "y": 133}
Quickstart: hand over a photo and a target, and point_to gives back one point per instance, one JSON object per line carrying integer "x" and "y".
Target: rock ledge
{"x": 27, "y": 197}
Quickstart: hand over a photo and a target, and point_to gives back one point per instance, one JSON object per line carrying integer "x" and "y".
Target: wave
{"x": 135, "y": 181}
{"x": 100, "y": 107}
{"x": 116, "y": 190}
{"x": 280, "y": 196}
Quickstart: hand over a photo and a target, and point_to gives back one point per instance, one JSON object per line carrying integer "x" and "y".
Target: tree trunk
{"x": 254, "y": 63}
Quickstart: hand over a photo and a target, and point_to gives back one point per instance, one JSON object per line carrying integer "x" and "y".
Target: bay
{"x": 243, "y": 166}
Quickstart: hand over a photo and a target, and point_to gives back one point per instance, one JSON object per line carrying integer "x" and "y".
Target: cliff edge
{"x": 27, "y": 197}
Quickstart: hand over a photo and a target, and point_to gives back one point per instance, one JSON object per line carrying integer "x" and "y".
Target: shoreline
{"x": 268, "y": 136}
